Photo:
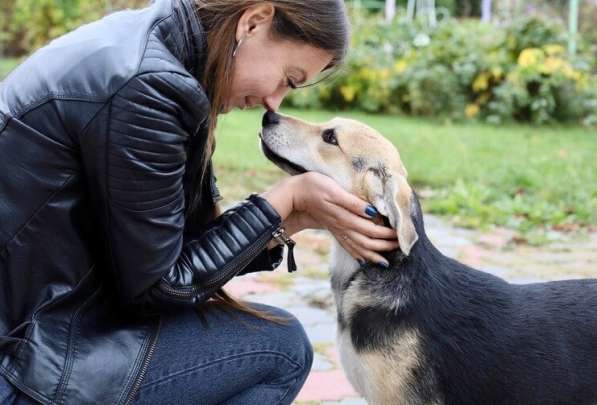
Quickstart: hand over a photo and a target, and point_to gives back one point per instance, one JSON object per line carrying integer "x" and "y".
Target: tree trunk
{"x": 410, "y": 10}
{"x": 390, "y": 10}
{"x": 486, "y": 11}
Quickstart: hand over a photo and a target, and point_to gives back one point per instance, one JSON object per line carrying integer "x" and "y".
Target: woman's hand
{"x": 317, "y": 201}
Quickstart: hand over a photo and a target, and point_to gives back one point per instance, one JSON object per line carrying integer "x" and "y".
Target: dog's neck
{"x": 345, "y": 268}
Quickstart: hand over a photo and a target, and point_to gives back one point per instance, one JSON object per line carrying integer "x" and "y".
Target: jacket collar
{"x": 187, "y": 39}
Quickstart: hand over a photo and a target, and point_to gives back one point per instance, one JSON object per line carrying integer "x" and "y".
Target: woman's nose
{"x": 273, "y": 102}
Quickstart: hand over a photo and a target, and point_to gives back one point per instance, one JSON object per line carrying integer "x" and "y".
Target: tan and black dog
{"x": 430, "y": 330}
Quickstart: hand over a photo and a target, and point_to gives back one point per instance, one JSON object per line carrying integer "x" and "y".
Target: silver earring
{"x": 238, "y": 44}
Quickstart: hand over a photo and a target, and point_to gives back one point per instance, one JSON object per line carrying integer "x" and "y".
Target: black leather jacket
{"x": 97, "y": 131}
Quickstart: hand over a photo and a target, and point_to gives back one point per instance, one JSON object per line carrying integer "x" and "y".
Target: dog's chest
{"x": 385, "y": 374}
{"x": 343, "y": 267}
{"x": 353, "y": 366}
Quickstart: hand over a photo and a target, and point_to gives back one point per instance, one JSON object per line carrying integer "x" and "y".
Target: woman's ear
{"x": 259, "y": 16}
{"x": 392, "y": 197}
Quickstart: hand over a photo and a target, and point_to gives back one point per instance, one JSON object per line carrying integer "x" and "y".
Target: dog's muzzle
{"x": 282, "y": 163}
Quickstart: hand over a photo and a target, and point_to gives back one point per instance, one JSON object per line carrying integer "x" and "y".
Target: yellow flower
{"x": 569, "y": 71}
{"x": 497, "y": 72}
{"x": 348, "y": 92}
{"x": 400, "y": 66}
{"x": 471, "y": 110}
{"x": 529, "y": 57}
{"x": 325, "y": 91}
{"x": 481, "y": 82}
{"x": 554, "y": 49}
{"x": 553, "y": 65}
{"x": 367, "y": 74}
{"x": 583, "y": 81}
{"x": 483, "y": 98}
{"x": 513, "y": 77}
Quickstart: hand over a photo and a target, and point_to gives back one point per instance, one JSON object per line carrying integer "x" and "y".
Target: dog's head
{"x": 358, "y": 157}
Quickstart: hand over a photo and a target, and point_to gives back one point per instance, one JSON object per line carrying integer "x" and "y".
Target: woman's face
{"x": 265, "y": 69}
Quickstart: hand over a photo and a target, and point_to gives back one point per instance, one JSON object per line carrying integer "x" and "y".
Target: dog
{"x": 428, "y": 329}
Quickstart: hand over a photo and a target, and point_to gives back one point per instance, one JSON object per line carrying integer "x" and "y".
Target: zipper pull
{"x": 282, "y": 237}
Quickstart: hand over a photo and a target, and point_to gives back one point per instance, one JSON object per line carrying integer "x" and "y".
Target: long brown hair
{"x": 320, "y": 23}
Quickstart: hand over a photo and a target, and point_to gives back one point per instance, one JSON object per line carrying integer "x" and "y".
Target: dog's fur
{"x": 430, "y": 330}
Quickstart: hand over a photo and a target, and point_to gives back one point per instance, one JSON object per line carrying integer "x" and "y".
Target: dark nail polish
{"x": 384, "y": 264}
{"x": 371, "y": 211}
{"x": 361, "y": 261}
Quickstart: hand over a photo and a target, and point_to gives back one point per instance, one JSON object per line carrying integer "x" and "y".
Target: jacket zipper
{"x": 145, "y": 364}
{"x": 282, "y": 237}
{"x": 190, "y": 291}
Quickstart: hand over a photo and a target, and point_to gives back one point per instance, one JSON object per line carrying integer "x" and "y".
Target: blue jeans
{"x": 236, "y": 359}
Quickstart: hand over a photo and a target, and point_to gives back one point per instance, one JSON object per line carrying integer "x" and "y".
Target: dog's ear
{"x": 391, "y": 195}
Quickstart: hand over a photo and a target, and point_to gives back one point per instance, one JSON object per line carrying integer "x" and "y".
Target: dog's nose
{"x": 270, "y": 118}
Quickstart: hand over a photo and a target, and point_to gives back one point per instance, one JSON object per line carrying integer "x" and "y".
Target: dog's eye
{"x": 329, "y": 136}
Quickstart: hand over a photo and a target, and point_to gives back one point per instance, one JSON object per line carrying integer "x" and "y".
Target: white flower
{"x": 421, "y": 40}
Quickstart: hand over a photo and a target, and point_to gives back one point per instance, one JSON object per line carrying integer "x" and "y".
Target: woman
{"x": 109, "y": 236}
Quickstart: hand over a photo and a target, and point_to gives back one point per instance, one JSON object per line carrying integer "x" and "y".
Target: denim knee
{"x": 291, "y": 337}
{"x": 301, "y": 347}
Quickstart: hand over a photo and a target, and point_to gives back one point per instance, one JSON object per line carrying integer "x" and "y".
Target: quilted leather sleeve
{"x": 151, "y": 120}
{"x": 268, "y": 260}
{"x": 232, "y": 241}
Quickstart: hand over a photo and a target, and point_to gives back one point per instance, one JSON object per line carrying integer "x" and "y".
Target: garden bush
{"x": 462, "y": 69}
{"x": 26, "y": 25}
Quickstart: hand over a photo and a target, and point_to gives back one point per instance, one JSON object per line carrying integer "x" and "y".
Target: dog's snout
{"x": 270, "y": 118}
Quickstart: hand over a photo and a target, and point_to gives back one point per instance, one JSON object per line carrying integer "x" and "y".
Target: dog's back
{"x": 496, "y": 343}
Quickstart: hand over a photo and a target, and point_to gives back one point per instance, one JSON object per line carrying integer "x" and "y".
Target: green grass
{"x": 526, "y": 178}
{"x": 6, "y": 65}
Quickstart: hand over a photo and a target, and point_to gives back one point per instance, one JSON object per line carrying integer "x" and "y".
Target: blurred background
{"x": 492, "y": 105}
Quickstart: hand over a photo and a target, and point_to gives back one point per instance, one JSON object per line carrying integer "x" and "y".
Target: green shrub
{"x": 32, "y": 23}
{"x": 461, "y": 69}
{"x": 29, "y": 24}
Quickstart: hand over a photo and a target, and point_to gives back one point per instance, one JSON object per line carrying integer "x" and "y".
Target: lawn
{"x": 526, "y": 178}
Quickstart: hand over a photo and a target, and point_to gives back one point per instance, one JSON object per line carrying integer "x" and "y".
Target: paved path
{"x": 307, "y": 293}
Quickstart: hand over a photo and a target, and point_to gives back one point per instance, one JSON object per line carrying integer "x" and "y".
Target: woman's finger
{"x": 376, "y": 245}
{"x": 342, "y": 218}
{"x": 370, "y": 256}
{"x": 356, "y": 205}
{"x": 346, "y": 243}
{"x": 357, "y": 251}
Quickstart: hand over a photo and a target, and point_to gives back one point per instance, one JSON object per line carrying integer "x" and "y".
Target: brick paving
{"x": 308, "y": 296}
